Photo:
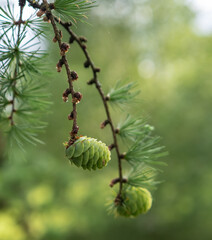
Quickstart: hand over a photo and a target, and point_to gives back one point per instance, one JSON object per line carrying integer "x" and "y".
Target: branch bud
{"x": 107, "y": 98}
{"x": 76, "y": 97}
{"x": 117, "y": 131}
{"x": 71, "y": 116}
{"x": 65, "y": 95}
{"x": 82, "y": 39}
{"x": 111, "y": 146}
{"x": 59, "y": 65}
{"x": 97, "y": 69}
{"x": 103, "y": 124}
{"x": 87, "y": 64}
{"x": 64, "y": 48}
{"x": 68, "y": 24}
{"x": 74, "y": 76}
{"x": 83, "y": 46}
{"x": 92, "y": 81}
{"x": 54, "y": 39}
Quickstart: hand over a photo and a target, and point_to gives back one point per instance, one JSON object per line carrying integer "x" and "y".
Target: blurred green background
{"x": 43, "y": 197}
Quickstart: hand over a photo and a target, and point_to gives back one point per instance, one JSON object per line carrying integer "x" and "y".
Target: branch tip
{"x": 104, "y": 124}
{"x": 71, "y": 116}
{"x": 83, "y": 39}
{"x": 117, "y": 180}
{"x": 111, "y": 146}
{"x": 87, "y": 64}
{"x": 97, "y": 70}
{"x": 92, "y": 81}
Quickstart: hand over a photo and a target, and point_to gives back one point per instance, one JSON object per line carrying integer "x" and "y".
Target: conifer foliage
{"x": 22, "y": 100}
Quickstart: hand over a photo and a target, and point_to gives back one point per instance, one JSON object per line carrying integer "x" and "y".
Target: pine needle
{"x": 72, "y": 10}
{"x": 134, "y": 128}
{"x": 143, "y": 176}
{"x": 146, "y": 150}
{"x": 122, "y": 94}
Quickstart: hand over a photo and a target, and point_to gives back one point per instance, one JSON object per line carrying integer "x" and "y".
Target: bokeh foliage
{"x": 153, "y": 42}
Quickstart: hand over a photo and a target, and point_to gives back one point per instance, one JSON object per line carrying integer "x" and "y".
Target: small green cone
{"x": 88, "y": 153}
{"x": 136, "y": 201}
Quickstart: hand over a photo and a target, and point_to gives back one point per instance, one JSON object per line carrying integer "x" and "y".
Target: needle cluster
{"x": 23, "y": 98}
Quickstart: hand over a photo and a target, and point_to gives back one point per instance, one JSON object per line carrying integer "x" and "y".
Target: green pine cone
{"x": 88, "y": 153}
{"x": 136, "y": 201}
